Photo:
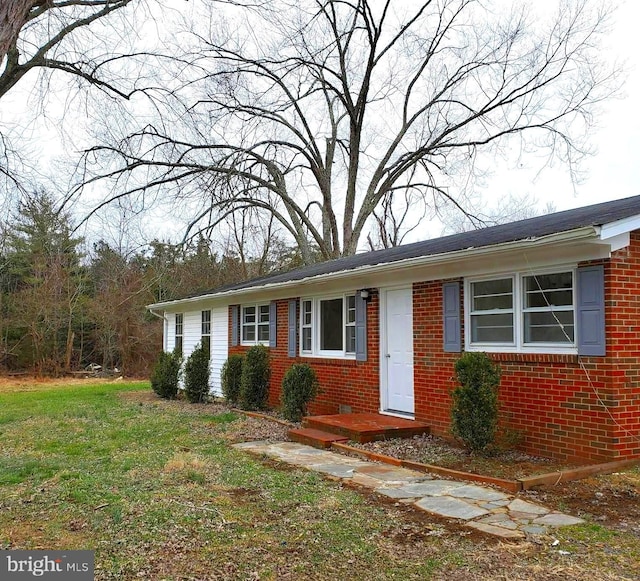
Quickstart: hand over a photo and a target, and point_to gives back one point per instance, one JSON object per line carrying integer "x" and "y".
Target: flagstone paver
{"x": 497, "y": 531}
{"x": 483, "y": 508}
{"x": 475, "y": 492}
{"x": 450, "y": 507}
{"x": 390, "y": 474}
{"x": 524, "y": 507}
{"x": 557, "y": 519}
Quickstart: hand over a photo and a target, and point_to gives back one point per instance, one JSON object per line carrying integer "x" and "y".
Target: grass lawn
{"x": 157, "y": 491}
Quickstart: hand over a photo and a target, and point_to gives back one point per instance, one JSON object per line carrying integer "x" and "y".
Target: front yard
{"x": 155, "y": 489}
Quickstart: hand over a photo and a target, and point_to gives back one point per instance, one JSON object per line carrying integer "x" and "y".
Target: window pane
{"x": 492, "y": 294}
{"x": 492, "y": 328}
{"x": 548, "y": 289}
{"x": 249, "y": 314}
{"x": 206, "y": 322}
{"x": 179, "y": 344}
{"x": 248, "y": 333}
{"x": 351, "y": 340}
{"x": 544, "y": 327}
{"x": 206, "y": 343}
{"x": 306, "y": 339}
{"x": 306, "y": 312}
{"x": 351, "y": 309}
{"x": 179, "y": 324}
{"x": 264, "y": 314}
{"x": 331, "y": 325}
{"x": 263, "y": 332}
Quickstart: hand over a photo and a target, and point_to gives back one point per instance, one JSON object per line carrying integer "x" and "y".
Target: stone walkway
{"x": 484, "y": 509}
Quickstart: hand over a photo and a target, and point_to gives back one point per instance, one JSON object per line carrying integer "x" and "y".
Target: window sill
{"x": 511, "y": 350}
{"x": 567, "y": 358}
{"x": 334, "y": 356}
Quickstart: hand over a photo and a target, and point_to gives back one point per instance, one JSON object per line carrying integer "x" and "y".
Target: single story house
{"x": 554, "y": 299}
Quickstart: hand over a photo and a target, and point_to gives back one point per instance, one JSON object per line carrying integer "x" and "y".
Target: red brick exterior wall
{"x": 562, "y": 406}
{"x": 342, "y": 381}
{"x": 623, "y": 346}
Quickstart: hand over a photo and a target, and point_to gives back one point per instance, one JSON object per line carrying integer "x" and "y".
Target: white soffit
{"x": 624, "y": 226}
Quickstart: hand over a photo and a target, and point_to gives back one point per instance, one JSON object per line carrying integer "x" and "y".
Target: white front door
{"x": 398, "y": 355}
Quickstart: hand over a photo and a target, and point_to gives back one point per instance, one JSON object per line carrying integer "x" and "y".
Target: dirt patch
{"x": 139, "y": 396}
{"x": 20, "y": 383}
{"x": 429, "y": 449}
{"x": 611, "y": 499}
{"x": 241, "y": 429}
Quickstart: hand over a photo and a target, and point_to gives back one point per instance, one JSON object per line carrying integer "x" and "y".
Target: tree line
{"x": 67, "y": 304}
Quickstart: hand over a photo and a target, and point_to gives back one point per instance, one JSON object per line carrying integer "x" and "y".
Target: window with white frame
{"x": 206, "y": 331}
{"x": 492, "y": 311}
{"x": 306, "y": 326}
{"x": 547, "y": 306}
{"x": 327, "y": 326}
{"x": 255, "y": 324}
{"x": 521, "y": 311}
{"x": 178, "y": 332}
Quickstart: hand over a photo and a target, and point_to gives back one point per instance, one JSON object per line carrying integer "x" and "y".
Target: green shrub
{"x": 299, "y": 387}
{"x": 196, "y": 375}
{"x": 231, "y": 378}
{"x": 166, "y": 373}
{"x": 254, "y": 385}
{"x": 474, "y": 412}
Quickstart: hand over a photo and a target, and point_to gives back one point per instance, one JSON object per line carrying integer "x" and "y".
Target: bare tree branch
{"x": 333, "y": 115}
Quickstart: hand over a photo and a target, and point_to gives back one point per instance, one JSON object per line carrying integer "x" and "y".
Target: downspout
{"x": 165, "y": 326}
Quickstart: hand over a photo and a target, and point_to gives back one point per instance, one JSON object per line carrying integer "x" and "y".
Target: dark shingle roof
{"x": 531, "y": 228}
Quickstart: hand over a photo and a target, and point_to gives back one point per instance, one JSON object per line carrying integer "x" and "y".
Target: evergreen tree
{"x": 44, "y": 272}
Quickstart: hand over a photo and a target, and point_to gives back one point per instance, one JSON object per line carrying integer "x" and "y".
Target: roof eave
{"x": 569, "y": 236}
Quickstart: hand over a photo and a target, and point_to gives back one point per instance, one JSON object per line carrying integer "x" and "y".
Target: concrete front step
{"x": 365, "y": 427}
{"x": 316, "y": 438}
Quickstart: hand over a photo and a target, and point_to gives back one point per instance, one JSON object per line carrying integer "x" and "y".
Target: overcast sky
{"x": 612, "y": 173}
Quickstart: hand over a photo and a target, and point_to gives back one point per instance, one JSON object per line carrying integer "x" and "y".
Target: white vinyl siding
{"x": 170, "y": 340}
{"x": 219, "y": 346}
{"x": 192, "y": 332}
{"x": 192, "y": 328}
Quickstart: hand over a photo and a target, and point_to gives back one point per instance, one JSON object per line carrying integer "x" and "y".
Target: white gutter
{"x": 429, "y": 260}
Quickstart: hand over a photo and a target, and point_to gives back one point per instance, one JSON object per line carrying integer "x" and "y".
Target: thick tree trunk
{"x": 13, "y": 16}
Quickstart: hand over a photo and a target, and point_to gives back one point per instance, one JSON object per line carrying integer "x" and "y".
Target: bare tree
{"x": 317, "y": 112}
{"x": 53, "y": 35}
{"x": 480, "y": 213}
{"x": 76, "y": 37}
{"x": 13, "y": 16}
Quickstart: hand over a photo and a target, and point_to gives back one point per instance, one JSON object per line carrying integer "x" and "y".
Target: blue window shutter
{"x": 590, "y": 309}
{"x": 293, "y": 328}
{"x": 273, "y": 328}
{"x": 361, "y": 328}
{"x": 235, "y": 325}
{"x": 451, "y": 317}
